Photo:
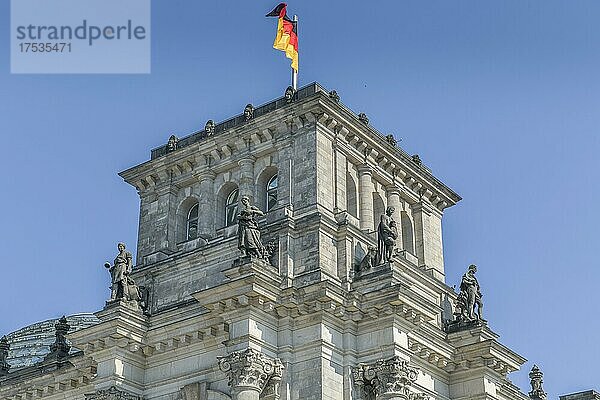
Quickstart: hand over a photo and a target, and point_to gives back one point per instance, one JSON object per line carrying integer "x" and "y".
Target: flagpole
{"x": 294, "y": 72}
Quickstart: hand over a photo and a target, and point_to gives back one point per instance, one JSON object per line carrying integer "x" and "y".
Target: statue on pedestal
{"x": 249, "y": 241}
{"x": 469, "y": 298}
{"x": 123, "y": 286}
{"x": 387, "y": 233}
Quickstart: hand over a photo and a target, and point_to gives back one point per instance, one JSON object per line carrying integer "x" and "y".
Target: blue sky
{"x": 500, "y": 100}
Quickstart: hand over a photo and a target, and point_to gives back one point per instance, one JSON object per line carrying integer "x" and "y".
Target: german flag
{"x": 287, "y": 34}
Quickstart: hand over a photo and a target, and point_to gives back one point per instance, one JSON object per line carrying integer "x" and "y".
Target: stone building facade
{"x": 312, "y": 316}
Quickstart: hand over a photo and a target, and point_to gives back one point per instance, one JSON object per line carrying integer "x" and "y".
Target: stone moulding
{"x": 391, "y": 378}
{"x": 252, "y": 370}
{"x": 112, "y": 393}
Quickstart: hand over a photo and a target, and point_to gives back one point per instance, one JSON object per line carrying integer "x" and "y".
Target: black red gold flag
{"x": 286, "y": 39}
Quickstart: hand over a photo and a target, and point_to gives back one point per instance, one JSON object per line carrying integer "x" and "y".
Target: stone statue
{"x": 248, "y": 232}
{"x": 362, "y": 117}
{"x": 123, "y": 286}
{"x": 334, "y": 96}
{"x": 387, "y": 233}
{"x": 369, "y": 260}
{"x": 59, "y": 350}
{"x": 4, "y": 347}
{"x": 172, "y": 143}
{"x": 290, "y": 94}
{"x": 209, "y": 128}
{"x": 469, "y": 298}
{"x": 249, "y": 112}
{"x": 537, "y": 379}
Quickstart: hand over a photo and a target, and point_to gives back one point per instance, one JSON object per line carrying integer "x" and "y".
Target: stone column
{"x": 247, "y": 177}
{"x": 393, "y": 200}
{"x": 206, "y": 205}
{"x": 389, "y": 379}
{"x": 365, "y": 197}
{"x": 251, "y": 374}
{"x": 428, "y": 237}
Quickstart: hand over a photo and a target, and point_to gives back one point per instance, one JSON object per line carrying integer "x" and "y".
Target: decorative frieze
{"x": 252, "y": 370}
{"x": 387, "y": 379}
{"x": 112, "y": 393}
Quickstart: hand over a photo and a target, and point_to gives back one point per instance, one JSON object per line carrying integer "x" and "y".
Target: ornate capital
{"x": 391, "y": 378}
{"x": 112, "y": 393}
{"x": 250, "y": 369}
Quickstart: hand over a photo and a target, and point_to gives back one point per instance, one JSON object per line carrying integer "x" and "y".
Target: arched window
{"x": 351, "y": 204}
{"x": 378, "y": 209}
{"x": 192, "y": 223}
{"x": 407, "y": 233}
{"x": 231, "y": 207}
{"x": 272, "y": 193}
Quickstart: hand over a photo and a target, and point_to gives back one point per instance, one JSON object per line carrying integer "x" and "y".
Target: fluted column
{"x": 389, "y": 379}
{"x": 251, "y": 374}
{"x": 247, "y": 177}
{"x": 366, "y": 197}
{"x": 206, "y": 205}
{"x": 393, "y": 200}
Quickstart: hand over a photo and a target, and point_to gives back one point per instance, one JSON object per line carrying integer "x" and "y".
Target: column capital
{"x": 205, "y": 175}
{"x": 248, "y": 159}
{"x": 388, "y": 379}
{"x": 365, "y": 169}
{"x": 251, "y": 370}
{"x": 392, "y": 189}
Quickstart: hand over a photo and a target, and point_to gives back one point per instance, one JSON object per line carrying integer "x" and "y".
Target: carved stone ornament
{"x": 537, "y": 379}
{"x": 290, "y": 94}
{"x": 209, "y": 128}
{"x": 417, "y": 160}
{"x": 362, "y": 117}
{"x": 249, "y": 112}
{"x": 172, "y": 143}
{"x": 334, "y": 96}
{"x": 59, "y": 350}
{"x": 4, "y": 348}
{"x": 112, "y": 393}
{"x": 391, "y": 140}
{"x": 383, "y": 379}
{"x": 252, "y": 370}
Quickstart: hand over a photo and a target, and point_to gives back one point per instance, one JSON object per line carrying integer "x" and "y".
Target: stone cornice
{"x": 362, "y": 142}
{"x": 365, "y": 142}
{"x": 479, "y": 348}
